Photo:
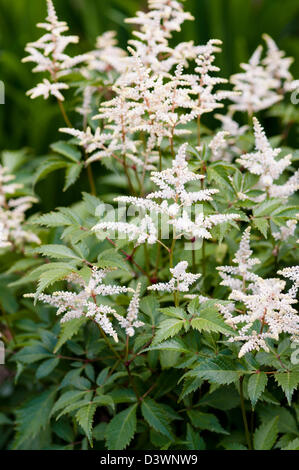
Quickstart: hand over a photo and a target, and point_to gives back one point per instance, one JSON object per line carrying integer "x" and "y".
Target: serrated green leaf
{"x": 121, "y": 429}
{"x": 72, "y": 173}
{"x": 168, "y": 328}
{"x": 289, "y": 382}
{"x": 154, "y": 414}
{"x": 266, "y": 435}
{"x": 57, "y": 252}
{"x": 209, "y": 320}
{"x": 67, "y": 150}
{"x": 68, "y": 330}
{"x": 46, "y": 367}
{"x": 33, "y": 416}
{"x": 67, "y": 398}
{"x": 262, "y": 225}
{"x": 47, "y": 167}
{"x": 206, "y": 421}
{"x": 256, "y": 386}
{"x": 85, "y": 419}
{"x": 220, "y": 370}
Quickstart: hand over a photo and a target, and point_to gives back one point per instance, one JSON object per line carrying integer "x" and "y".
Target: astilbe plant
{"x": 177, "y": 301}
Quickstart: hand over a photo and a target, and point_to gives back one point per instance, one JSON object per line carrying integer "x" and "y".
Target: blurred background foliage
{"x": 33, "y": 124}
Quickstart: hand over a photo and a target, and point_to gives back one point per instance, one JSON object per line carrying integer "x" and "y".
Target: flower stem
{"x": 247, "y": 435}
{"x": 69, "y": 124}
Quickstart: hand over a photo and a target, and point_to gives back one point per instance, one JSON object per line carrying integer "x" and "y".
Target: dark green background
{"x": 239, "y": 23}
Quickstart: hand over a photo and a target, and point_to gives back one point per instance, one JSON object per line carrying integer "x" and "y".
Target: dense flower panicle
{"x": 48, "y": 53}
{"x": 268, "y": 304}
{"x": 218, "y": 144}
{"x": 268, "y": 310}
{"x": 255, "y": 86}
{"x": 263, "y": 162}
{"x": 155, "y": 29}
{"x": 142, "y": 231}
{"x": 130, "y": 322}
{"x": 286, "y": 231}
{"x": 180, "y": 281}
{"x": 12, "y": 212}
{"x": 235, "y": 277}
{"x": 107, "y": 56}
{"x": 292, "y": 274}
{"x": 277, "y": 65}
{"x": 229, "y": 146}
{"x": 175, "y": 199}
{"x": 84, "y": 303}
{"x": 203, "y": 83}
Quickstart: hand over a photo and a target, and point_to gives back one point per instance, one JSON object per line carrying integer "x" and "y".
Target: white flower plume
{"x": 48, "y": 53}
{"x": 263, "y": 162}
{"x": 12, "y": 213}
{"x": 180, "y": 281}
{"x": 130, "y": 322}
{"x": 84, "y": 303}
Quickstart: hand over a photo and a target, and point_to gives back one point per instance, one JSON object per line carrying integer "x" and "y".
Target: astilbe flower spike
{"x": 12, "y": 213}
{"x": 175, "y": 199}
{"x": 48, "y": 53}
{"x": 84, "y": 303}
{"x": 263, "y": 162}
{"x": 268, "y": 310}
{"x": 180, "y": 281}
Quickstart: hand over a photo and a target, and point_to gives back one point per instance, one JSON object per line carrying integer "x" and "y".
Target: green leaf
{"x": 47, "y": 167}
{"x": 288, "y": 381}
{"x": 262, "y": 225}
{"x": 72, "y": 173}
{"x": 112, "y": 259}
{"x": 50, "y": 273}
{"x": 210, "y": 321}
{"x": 293, "y": 445}
{"x": 168, "y": 328}
{"x": 68, "y": 330}
{"x": 206, "y": 421}
{"x": 53, "y": 219}
{"x": 33, "y": 353}
{"x": 121, "y": 429}
{"x": 220, "y": 370}
{"x": 67, "y": 398}
{"x": 47, "y": 367}
{"x": 170, "y": 345}
{"x": 154, "y": 414}
{"x": 193, "y": 440}
{"x": 256, "y": 385}
{"x": 267, "y": 207}
{"x": 67, "y": 150}
{"x": 34, "y": 416}
{"x": 85, "y": 418}
{"x": 266, "y": 435}
{"x": 57, "y": 251}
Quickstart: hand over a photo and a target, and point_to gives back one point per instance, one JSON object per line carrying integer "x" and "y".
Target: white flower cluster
{"x": 263, "y": 162}
{"x": 180, "y": 281}
{"x": 155, "y": 29}
{"x": 12, "y": 213}
{"x": 131, "y": 320}
{"x": 176, "y": 199}
{"x": 237, "y": 277}
{"x": 264, "y": 81}
{"x": 85, "y": 303}
{"x": 293, "y": 275}
{"x": 106, "y": 56}
{"x": 268, "y": 310}
{"x": 223, "y": 144}
{"x": 286, "y": 231}
{"x": 48, "y": 53}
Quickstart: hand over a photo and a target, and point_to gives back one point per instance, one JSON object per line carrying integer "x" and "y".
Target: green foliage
{"x": 177, "y": 383}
